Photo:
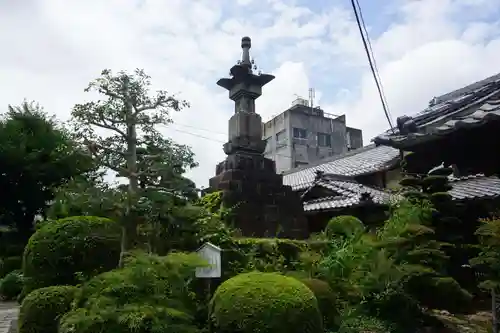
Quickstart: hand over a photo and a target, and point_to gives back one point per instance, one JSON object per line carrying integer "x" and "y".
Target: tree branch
{"x": 105, "y": 90}
{"x": 160, "y": 101}
{"x": 105, "y": 125}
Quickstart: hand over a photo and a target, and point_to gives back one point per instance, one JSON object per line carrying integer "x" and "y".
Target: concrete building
{"x": 304, "y": 135}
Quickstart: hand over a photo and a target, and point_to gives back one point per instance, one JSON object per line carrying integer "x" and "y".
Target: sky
{"x": 51, "y": 49}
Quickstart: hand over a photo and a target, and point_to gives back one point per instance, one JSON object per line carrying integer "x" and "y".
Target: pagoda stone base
{"x": 263, "y": 206}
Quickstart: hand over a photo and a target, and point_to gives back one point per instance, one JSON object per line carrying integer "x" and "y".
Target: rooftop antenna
{"x": 312, "y": 95}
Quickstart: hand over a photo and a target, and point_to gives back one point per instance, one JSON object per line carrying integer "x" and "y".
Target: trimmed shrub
{"x": 266, "y": 254}
{"x": 69, "y": 250}
{"x": 327, "y": 300}
{"x": 344, "y": 225}
{"x": 42, "y": 308}
{"x": 149, "y": 294}
{"x": 265, "y": 303}
{"x": 11, "y": 285}
{"x": 9, "y": 264}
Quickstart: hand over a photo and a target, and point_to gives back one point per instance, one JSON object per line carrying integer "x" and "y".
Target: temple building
{"x": 459, "y": 128}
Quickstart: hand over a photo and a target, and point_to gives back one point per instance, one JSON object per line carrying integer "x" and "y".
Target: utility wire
{"x": 373, "y": 57}
{"x": 198, "y": 128}
{"x": 206, "y": 137}
{"x": 374, "y": 71}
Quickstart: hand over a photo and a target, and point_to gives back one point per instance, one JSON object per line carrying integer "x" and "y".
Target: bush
{"x": 358, "y": 322}
{"x": 327, "y": 300}
{"x": 10, "y": 264}
{"x": 148, "y": 295}
{"x": 265, "y": 303}
{"x": 344, "y": 225}
{"x": 65, "y": 251}
{"x": 11, "y": 285}
{"x": 42, "y": 308}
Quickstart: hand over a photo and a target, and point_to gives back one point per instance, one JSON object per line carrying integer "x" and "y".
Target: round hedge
{"x": 264, "y": 303}
{"x": 344, "y": 225}
{"x": 41, "y": 309}
{"x": 63, "y": 251}
{"x": 327, "y": 300}
{"x": 11, "y": 285}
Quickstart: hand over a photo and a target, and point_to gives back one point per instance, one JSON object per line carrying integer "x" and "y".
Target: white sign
{"x": 211, "y": 254}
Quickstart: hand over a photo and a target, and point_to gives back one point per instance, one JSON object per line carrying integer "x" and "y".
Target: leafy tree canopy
{"x": 36, "y": 156}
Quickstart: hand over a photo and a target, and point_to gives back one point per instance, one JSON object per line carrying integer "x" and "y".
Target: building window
{"x": 299, "y": 133}
{"x": 324, "y": 140}
{"x": 281, "y": 138}
{"x": 348, "y": 140}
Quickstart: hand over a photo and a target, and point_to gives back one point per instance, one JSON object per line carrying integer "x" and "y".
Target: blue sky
{"x": 423, "y": 48}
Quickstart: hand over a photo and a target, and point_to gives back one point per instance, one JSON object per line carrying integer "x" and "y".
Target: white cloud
{"x": 52, "y": 49}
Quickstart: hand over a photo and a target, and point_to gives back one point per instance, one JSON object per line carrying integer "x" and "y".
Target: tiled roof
{"x": 475, "y": 187}
{"x": 349, "y": 194}
{"x": 472, "y": 108}
{"x": 472, "y": 187}
{"x": 361, "y": 161}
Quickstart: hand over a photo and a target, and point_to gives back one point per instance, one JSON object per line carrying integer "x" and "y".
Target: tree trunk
{"x": 129, "y": 228}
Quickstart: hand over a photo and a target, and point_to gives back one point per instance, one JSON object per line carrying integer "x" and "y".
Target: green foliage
{"x": 378, "y": 274}
{"x": 84, "y": 196}
{"x": 11, "y": 285}
{"x": 37, "y": 156}
{"x": 211, "y": 201}
{"x": 150, "y": 294}
{"x": 134, "y": 148}
{"x": 42, "y": 308}
{"x": 266, "y": 303}
{"x": 442, "y": 292}
{"x": 354, "y": 322}
{"x": 344, "y": 225}
{"x": 10, "y": 264}
{"x": 328, "y": 302}
{"x": 487, "y": 261}
{"x": 63, "y": 252}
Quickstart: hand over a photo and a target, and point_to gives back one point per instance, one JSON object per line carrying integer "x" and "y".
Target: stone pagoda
{"x": 263, "y": 206}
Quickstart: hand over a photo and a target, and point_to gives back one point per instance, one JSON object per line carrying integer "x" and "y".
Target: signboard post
{"x": 212, "y": 254}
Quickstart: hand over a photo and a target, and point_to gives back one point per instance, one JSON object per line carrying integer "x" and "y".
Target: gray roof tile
{"x": 483, "y": 105}
{"x": 365, "y": 160}
{"x": 349, "y": 194}
{"x": 474, "y": 187}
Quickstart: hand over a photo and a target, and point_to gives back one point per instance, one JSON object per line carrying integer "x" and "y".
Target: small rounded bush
{"x": 264, "y": 303}
{"x": 41, "y": 309}
{"x": 344, "y": 225}
{"x": 11, "y": 285}
{"x": 327, "y": 300}
{"x": 9, "y": 264}
{"x": 65, "y": 251}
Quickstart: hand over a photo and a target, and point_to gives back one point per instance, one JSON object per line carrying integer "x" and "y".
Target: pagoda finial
{"x": 246, "y": 44}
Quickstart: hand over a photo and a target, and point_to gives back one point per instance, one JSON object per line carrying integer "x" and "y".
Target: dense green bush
{"x": 9, "y": 264}
{"x": 265, "y": 303}
{"x": 344, "y": 225}
{"x": 11, "y": 285}
{"x": 266, "y": 254}
{"x": 42, "y": 308}
{"x": 327, "y": 301}
{"x": 65, "y": 251}
{"x": 354, "y": 322}
{"x": 148, "y": 295}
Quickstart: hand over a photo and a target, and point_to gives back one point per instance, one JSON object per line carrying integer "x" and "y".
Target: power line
{"x": 207, "y": 138}
{"x": 373, "y": 57}
{"x": 198, "y": 128}
{"x": 373, "y": 68}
